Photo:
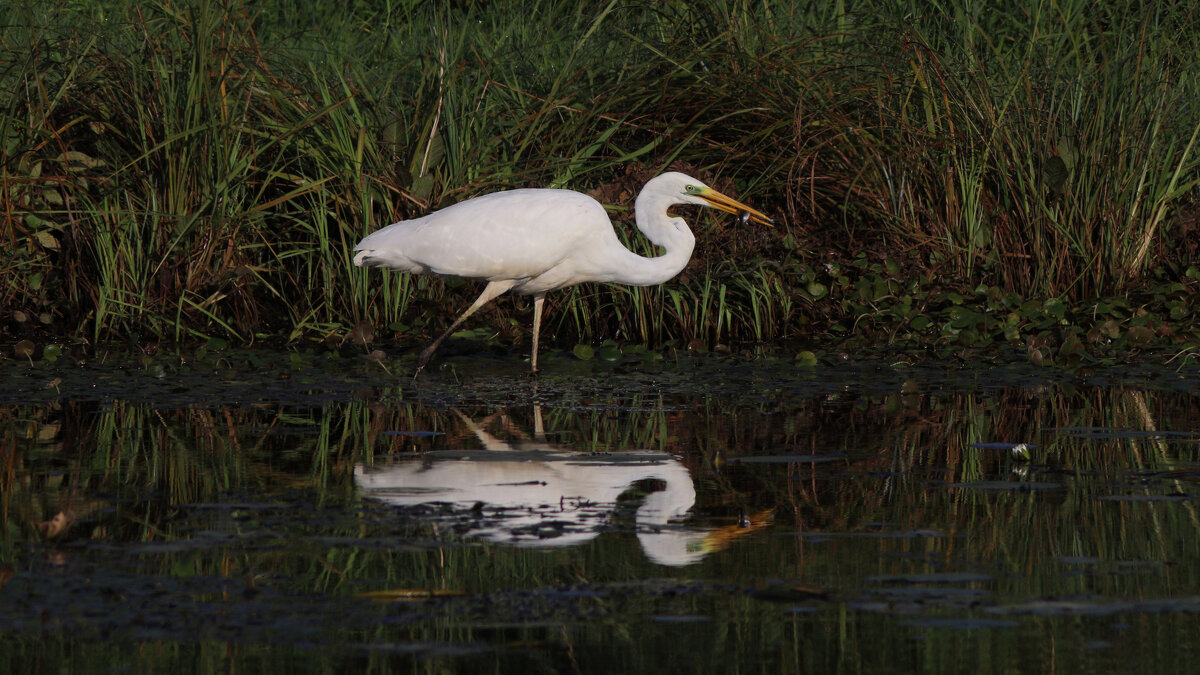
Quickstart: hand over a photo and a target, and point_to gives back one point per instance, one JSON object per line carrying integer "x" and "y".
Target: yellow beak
{"x": 731, "y": 205}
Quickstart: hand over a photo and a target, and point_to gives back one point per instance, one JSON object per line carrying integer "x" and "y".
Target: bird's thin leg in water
{"x": 537, "y": 326}
{"x": 494, "y": 288}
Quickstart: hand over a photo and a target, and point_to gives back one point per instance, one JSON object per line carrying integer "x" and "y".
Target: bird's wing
{"x": 504, "y": 235}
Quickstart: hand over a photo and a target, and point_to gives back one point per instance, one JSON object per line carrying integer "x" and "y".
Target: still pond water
{"x": 276, "y": 512}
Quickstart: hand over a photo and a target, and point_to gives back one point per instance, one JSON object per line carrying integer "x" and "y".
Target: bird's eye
{"x": 689, "y": 188}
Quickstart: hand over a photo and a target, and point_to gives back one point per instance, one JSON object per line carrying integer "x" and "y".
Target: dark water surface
{"x": 276, "y": 512}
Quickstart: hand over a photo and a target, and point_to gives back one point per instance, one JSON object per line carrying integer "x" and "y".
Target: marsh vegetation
{"x": 944, "y": 175}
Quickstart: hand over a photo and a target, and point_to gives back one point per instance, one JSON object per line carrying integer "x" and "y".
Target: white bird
{"x": 531, "y": 241}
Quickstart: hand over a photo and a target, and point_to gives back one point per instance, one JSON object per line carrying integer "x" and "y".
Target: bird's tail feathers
{"x": 363, "y": 258}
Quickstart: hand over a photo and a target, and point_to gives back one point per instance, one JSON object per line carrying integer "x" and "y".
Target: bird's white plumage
{"x": 532, "y": 241}
{"x": 518, "y": 234}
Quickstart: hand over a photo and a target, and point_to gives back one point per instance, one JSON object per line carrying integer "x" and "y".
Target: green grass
{"x": 204, "y": 170}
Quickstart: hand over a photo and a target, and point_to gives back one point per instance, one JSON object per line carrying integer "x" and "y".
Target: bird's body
{"x": 553, "y": 243}
{"x": 532, "y": 241}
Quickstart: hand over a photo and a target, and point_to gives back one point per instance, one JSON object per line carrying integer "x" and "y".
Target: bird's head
{"x": 683, "y": 189}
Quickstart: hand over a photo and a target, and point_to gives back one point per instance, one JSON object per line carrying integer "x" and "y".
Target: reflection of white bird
{"x": 536, "y": 240}
{"x": 547, "y": 498}
{"x": 540, "y": 495}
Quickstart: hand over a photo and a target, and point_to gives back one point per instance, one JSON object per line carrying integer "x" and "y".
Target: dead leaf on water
{"x": 56, "y": 526}
{"x": 24, "y": 349}
{"x": 363, "y": 333}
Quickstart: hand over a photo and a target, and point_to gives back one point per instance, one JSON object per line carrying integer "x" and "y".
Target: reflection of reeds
{"x": 898, "y": 501}
{"x": 907, "y": 465}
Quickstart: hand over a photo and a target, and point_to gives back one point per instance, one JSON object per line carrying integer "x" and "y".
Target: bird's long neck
{"x": 672, "y": 234}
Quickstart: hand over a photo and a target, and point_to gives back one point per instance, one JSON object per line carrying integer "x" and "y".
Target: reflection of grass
{"x": 183, "y": 456}
{"x": 214, "y": 183}
{"x": 907, "y": 465}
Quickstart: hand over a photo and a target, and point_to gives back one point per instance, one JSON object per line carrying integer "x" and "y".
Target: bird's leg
{"x": 537, "y": 326}
{"x": 493, "y": 289}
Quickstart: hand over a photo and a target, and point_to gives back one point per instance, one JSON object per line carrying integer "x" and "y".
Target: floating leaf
{"x": 363, "y": 333}
{"x": 806, "y": 358}
{"x": 1140, "y": 334}
{"x": 608, "y": 353}
{"x": 1055, "y": 307}
{"x": 583, "y": 352}
{"x": 962, "y": 317}
{"x": 1110, "y": 329}
{"x": 24, "y": 349}
{"x": 1038, "y": 357}
{"x": 1070, "y": 346}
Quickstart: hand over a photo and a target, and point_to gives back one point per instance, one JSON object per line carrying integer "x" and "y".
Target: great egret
{"x": 531, "y": 241}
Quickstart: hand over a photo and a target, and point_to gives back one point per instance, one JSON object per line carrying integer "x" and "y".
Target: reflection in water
{"x": 531, "y": 493}
{"x": 212, "y": 536}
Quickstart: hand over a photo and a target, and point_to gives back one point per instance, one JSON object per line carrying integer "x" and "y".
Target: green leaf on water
{"x": 609, "y": 353}
{"x": 583, "y": 352}
{"x": 51, "y": 353}
{"x": 1070, "y": 346}
{"x": 806, "y": 359}
{"x": 1055, "y": 307}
